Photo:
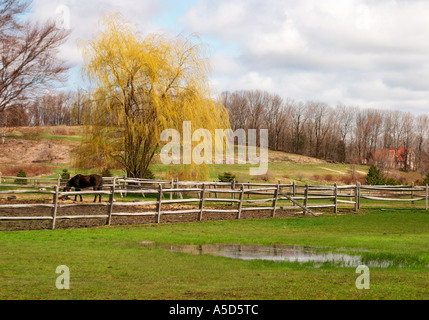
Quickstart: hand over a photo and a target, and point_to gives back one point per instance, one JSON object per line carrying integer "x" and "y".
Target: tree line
{"x": 342, "y": 133}
{"x": 53, "y": 109}
{"x": 345, "y": 134}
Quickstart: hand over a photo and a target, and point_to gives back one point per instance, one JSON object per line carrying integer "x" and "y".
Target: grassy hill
{"x": 46, "y": 151}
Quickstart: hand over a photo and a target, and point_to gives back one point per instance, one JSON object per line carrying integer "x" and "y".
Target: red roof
{"x": 397, "y": 154}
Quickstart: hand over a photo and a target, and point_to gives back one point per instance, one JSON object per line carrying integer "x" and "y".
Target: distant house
{"x": 396, "y": 158}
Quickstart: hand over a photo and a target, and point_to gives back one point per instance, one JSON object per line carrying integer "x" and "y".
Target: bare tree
{"x": 422, "y": 130}
{"x": 408, "y": 140}
{"x": 28, "y": 62}
{"x": 51, "y": 110}
{"x": 237, "y": 107}
{"x": 257, "y": 102}
{"x": 80, "y": 107}
{"x": 319, "y": 126}
{"x": 299, "y": 112}
{"x": 275, "y": 119}
{"x": 368, "y": 123}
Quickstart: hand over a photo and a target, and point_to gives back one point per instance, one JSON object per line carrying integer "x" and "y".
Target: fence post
{"x": 125, "y": 185}
{"x": 276, "y": 197}
{"x": 356, "y": 197}
{"x": 215, "y": 187}
{"x": 305, "y": 198}
{"x": 294, "y": 191}
{"x": 358, "y": 194}
{"x": 412, "y": 192}
{"x": 240, "y": 204}
{"x": 120, "y": 190}
{"x": 248, "y": 187}
{"x": 111, "y": 201}
{"x": 158, "y": 204}
{"x": 426, "y": 200}
{"x": 202, "y": 195}
{"x": 55, "y": 208}
{"x": 336, "y": 198}
{"x": 233, "y": 188}
{"x": 172, "y": 187}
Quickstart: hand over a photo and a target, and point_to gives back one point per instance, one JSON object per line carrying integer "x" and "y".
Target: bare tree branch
{"x": 28, "y": 62}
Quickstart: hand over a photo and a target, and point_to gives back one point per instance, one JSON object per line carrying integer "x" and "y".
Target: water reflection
{"x": 298, "y": 254}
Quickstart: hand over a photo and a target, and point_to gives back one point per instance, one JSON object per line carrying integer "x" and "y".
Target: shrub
{"x": 21, "y": 174}
{"x": 226, "y": 177}
{"x": 426, "y": 179}
{"x": 392, "y": 182}
{"x": 348, "y": 179}
{"x": 264, "y": 177}
{"x": 149, "y": 175}
{"x": 374, "y": 176}
{"x": 30, "y": 170}
{"x": 60, "y": 131}
{"x": 329, "y": 177}
{"x": 419, "y": 182}
{"x": 65, "y": 175}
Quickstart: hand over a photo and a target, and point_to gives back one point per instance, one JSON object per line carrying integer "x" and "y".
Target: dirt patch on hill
{"x": 303, "y": 159}
{"x": 278, "y": 156}
{"x": 20, "y": 151}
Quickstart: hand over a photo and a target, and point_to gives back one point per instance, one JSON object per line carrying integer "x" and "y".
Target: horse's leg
{"x": 97, "y": 195}
{"x": 80, "y": 196}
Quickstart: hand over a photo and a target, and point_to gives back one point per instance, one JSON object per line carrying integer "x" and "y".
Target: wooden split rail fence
{"x": 245, "y": 196}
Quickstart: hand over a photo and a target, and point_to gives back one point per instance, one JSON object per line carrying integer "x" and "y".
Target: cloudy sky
{"x": 367, "y": 53}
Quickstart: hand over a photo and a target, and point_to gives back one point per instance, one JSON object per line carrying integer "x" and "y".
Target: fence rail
{"x": 203, "y": 195}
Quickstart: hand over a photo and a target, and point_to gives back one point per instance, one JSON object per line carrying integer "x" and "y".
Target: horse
{"x": 80, "y": 182}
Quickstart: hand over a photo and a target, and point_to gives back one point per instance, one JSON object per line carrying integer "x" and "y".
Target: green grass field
{"x": 111, "y": 263}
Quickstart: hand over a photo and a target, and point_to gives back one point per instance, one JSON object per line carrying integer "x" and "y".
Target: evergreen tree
{"x": 21, "y": 174}
{"x": 374, "y": 176}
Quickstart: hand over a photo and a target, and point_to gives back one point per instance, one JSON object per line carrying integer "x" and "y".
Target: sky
{"x": 365, "y": 53}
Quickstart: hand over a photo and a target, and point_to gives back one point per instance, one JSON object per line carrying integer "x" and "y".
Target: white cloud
{"x": 85, "y": 17}
{"x": 369, "y": 52}
{"x": 360, "y": 52}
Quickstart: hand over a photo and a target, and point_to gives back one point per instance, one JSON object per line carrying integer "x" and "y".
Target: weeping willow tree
{"x": 142, "y": 85}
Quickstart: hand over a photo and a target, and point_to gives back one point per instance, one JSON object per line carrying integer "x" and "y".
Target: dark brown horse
{"x": 80, "y": 182}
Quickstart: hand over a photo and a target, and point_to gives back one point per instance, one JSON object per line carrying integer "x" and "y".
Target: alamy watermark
{"x": 63, "y": 281}
{"x": 180, "y": 151}
{"x": 362, "y": 282}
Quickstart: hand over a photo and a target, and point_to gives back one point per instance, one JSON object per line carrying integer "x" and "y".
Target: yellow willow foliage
{"x": 144, "y": 85}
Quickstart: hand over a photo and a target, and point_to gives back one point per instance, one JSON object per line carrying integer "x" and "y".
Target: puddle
{"x": 276, "y": 253}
